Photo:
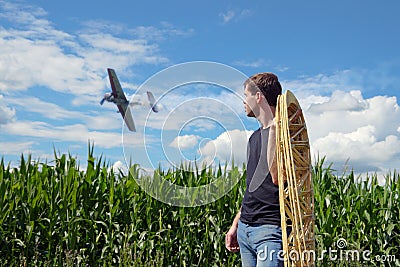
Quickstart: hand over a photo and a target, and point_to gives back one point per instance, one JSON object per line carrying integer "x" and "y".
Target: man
{"x": 256, "y": 229}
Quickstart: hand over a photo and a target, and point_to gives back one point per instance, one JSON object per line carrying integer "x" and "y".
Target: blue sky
{"x": 340, "y": 58}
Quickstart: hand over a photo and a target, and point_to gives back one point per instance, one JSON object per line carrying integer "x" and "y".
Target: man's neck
{"x": 266, "y": 116}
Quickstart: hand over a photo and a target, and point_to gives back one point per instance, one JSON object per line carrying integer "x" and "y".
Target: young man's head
{"x": 262, "y": 85}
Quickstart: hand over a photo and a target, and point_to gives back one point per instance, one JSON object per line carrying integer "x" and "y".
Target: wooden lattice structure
{"x": 296, "y": 194}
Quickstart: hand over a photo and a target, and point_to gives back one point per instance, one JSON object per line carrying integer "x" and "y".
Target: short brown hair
{"x": 267, "y": 83}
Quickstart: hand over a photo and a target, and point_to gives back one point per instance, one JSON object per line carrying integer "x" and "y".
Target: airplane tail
{"x": 152, "y": 101}
{"x": 154, "y": 108}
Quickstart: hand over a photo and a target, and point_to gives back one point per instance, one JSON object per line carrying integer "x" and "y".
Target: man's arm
{"x": 271, "y": 154}
{"x": 231, "y": 242}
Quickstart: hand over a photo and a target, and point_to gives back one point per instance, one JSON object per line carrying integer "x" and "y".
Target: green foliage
{"x": 55, "y": 214}
{"x": 360, "y": 211}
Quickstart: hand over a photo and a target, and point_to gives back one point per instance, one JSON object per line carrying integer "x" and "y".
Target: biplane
{"x": 117, "y": 96}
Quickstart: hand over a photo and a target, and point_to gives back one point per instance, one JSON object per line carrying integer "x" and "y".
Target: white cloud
{"x": 201, "y": 111}
{"x": 371, "y": 81}
{"x": 340, "y": 100}
{"x": 382, "y": 112}
{"x": 346, "y": 126}
{"x": 227, "y": 16}
{"x": 47, "y": 109}
{"x": 78, "y": 133}
{"x": 228, "y": 146}
{"x": 119, "y": 166}
{"x": 232, "y": 15}
{"x": 16, "y": 148}
{"x": 254, "y": 64}
{"x": 323, "y": 84}
{"x": 105, "y": 120}
{"x": 185, "y": 141}
{"x": 153, "y": 33}
{"x": 30, "y": 22}
{"x": 87, "y": 100}
{"x": 104, "y": 49}
{"x": 342, "y": 123}
{"x": 149, "y": 33}
{"x": 260, "y": 63}
{"x": 33, "y": 52}
{"x": 7, "y": 114}
{"x": 361, "y": 148}
{"x": 26, "y": 63}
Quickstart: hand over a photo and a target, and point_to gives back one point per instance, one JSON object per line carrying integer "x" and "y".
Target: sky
{"x": 340, "y": 58}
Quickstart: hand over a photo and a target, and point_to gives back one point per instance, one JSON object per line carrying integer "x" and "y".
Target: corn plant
{"x": 54, "y": 213}
{"x": 360, "y": 211}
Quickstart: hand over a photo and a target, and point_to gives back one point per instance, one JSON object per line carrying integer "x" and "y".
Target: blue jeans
{"x": 260, "y": 245}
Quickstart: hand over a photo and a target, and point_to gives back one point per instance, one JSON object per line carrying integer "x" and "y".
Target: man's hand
{"x": 231, "y": 242}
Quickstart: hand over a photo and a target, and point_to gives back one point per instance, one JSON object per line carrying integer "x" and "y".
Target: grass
{"x": 56, "y": 214}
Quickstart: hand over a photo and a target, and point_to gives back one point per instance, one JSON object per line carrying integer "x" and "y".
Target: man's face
{"x": 250, "y": 102}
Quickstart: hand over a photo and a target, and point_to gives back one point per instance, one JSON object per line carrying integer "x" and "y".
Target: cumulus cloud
{"x": 228, "y": 146}
{"x": 185, "y": 141}
{"x": 340, "y": 100}
{"x": 360, "y": 144}
{"x": 347, "y": 127}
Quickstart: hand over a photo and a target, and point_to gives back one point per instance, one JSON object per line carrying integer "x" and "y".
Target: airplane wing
{"x": 116, "y": 86}
{"x": 127, "y": 115}
{"x": 123, "y": 106}
{"x": 152, "y": 101}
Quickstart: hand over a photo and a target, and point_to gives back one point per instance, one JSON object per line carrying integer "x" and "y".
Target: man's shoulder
{"x": 259, "y": 132}
{"x": 256, "y": 131}
{"x": 255, "y": 136}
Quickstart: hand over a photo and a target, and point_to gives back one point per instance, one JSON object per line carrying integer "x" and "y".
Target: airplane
{"x": 118, "y": 97}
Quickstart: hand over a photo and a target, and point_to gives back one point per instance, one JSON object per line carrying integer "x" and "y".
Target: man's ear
{"x": 259, "y": 97}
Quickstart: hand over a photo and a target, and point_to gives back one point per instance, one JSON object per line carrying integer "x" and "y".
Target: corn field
{"x": 55, "y": 214}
